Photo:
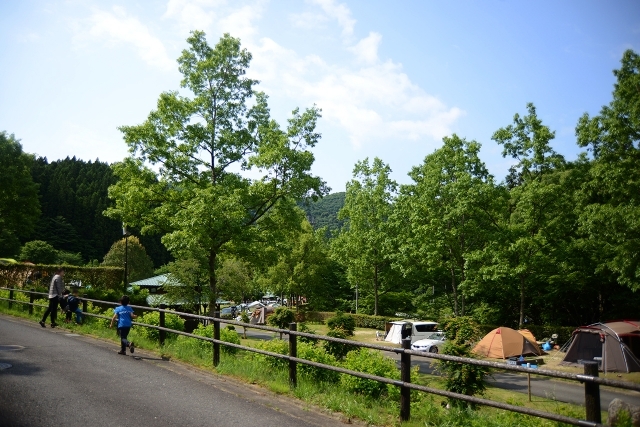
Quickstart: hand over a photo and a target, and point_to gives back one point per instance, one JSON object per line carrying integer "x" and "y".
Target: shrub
{"x": 342, "y": 321}
{"x": 337, "y": 350}
{"x": 274, "y": 346}
{"x": 172, "y": 321}
{"x": 302, "y": 327}
{"x": 281, "y": 318}
{"x": 370, "y": 362}
{"x": 461, "y": 378}
{"x": 206, "y": 347}
{"x": 317, "y": 354}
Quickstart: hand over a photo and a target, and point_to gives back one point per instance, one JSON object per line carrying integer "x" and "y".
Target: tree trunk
{"x": 213, "y": 283}
{"x": 375, "y": 291}
{"x": 454, "y": 291}
{"x": 521, "y": 323}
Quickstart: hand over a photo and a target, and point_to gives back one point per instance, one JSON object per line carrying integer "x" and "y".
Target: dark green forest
{"x": 556, "y": 242}
{"x": 324, "y": 212}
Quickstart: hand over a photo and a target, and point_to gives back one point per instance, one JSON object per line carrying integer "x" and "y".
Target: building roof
{"x": 152, "y": 282}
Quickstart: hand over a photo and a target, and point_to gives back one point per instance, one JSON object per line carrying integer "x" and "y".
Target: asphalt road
{"x": 60, "y": 379}
{"x": 542, "y": 387}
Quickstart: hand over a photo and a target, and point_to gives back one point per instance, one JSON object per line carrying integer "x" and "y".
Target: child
{"x": 125, "y": 316}
{"x": 73, "y": 303}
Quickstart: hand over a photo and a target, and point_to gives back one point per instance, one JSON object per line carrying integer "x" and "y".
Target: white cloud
{"x": 340, "y": 12}
{"x": 118, "y": 27}
{"x": 369, "y": 99}
{"x": 240, "y": 22}
{"x": 366, "y": 50}
{"x": 193, "y": 14}
{"x": 308, "y": 20}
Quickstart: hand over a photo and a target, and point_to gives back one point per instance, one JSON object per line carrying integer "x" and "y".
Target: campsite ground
{"x": 551, "y": 360}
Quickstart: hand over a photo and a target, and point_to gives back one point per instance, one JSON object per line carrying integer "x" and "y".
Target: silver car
{"x": 430, "y": 344}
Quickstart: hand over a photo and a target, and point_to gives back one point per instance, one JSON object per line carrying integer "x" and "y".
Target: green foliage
{"x": 273, "y": 346}
{"x": 365, "y": 245}
{"x": 171, "y": 321}
{"x": 185, "y": 173}
{"x": 337, "y": 350}
{"x": 139, "y": 265}
{"x": 281, "y": 317}
{"x": 70, "y": 258}
{"x": 370, "y": 362}
{"x": 305, "y": 351}
{"x": 73, "y": 194}
{"x": 343, "y": 322}
{"x": 609, "y": 206}
{"x": 302, "y": 327}
{"x": 95, "y": 280}
{"x": 206, "y": 347}
{"x": 317, "y": 354}
{"x": 19, "y": 204}
{"x": 39, "y": 252}
{"x": 461, "y": 378}
{"x": 323, "y": 212}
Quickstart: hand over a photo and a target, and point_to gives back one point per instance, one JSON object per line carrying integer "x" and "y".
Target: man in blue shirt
{"x": 124, "y": 314}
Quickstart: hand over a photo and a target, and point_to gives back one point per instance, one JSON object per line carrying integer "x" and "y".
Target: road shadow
{"x": 19, "y": 367}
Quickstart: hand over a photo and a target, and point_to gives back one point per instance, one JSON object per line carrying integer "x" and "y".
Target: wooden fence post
{"x": 216, "y": 335}
{"x": 592, "y": 393}
{"x": 405, "y": 376}
{"x": 31, "y": 299}
{"x": 163, "y": 334}
{"x": 293, "y": 352}
{"x": 84, "y": 305}
{"x": 10, "y": 298}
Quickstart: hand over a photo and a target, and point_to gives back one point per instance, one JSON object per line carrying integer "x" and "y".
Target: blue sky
{"x": 392, "y": 78}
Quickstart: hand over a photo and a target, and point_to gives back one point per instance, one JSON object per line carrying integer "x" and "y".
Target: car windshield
{"x": 436, "y": 336}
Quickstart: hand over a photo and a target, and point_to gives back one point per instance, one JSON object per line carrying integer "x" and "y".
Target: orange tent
{"x": 528, "y": 335}
{"x": 505, "y": 342}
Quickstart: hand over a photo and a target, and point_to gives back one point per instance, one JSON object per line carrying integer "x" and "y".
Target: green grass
{"x": 426, "y": 410}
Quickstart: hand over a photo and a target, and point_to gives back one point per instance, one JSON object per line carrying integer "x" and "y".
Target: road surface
{"x": 50, "y": 377}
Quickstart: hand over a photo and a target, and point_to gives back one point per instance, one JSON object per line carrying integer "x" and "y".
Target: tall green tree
{"x": 139, "y": 265}
{"x": 187, "y": 174}
{"x": 535, "y": 221}
{"x": 19, "y": 205}
{"x": 611, "y": 194}
{"x": 365, "y": 244}
{"x": 446, "y": 215}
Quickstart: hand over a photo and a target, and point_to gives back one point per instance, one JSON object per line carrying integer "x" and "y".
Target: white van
{"x": 416, "y": 330}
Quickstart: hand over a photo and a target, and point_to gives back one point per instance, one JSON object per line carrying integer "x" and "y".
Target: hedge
{"x": 39, "y": 276}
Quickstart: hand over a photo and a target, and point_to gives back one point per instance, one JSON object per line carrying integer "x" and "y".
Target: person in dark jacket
{"x": 55, "y": 295}
{"x": 73, "y": 306}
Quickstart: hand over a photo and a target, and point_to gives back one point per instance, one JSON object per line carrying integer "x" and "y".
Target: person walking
{"x": 56, "y": 288}
{"x": 124, "y": 314}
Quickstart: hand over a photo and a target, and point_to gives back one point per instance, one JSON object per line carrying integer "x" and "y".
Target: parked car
{"x": 416, "y": 330}
{"x": 430, "y": 344}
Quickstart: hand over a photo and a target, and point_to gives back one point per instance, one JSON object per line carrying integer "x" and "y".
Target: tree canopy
{"x": 188, "y": 172}
{"x": 19, "y": 204}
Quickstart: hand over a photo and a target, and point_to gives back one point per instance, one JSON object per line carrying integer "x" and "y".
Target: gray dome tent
{"x": 609, "y": 343}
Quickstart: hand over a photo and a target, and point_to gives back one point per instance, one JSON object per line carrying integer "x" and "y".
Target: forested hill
{"x": 73, "y": 197}
{"x": 324, "y": 212}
